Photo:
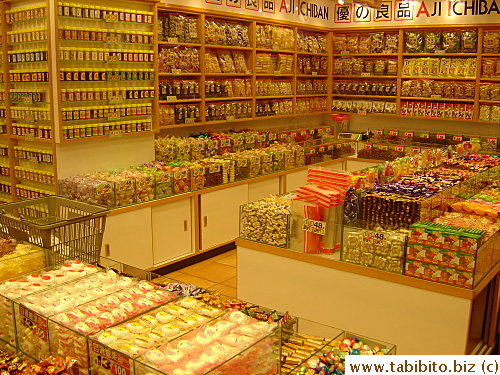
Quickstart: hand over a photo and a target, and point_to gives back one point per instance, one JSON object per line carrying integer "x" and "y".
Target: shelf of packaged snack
{"x": 182, "y": 101}
{"x": 489, "y": 101}
{"x": 365, "y": 96}
{"x": 229, "y": 47}
{"x": 82, "y": 139}
{"x": 437, "y": 99}
{"x": 440, "y": 78}
{"x": 310, "y": 95}
{"x": 100, "y": 42}
{"x": 102, "y": 102}
{"x": 312, "y": 53}
{"x": 489, "y": 79}
{"x": 274, "y": 75}
{"x": 372, "y": 272}
{"x": 439, "y": 54}
{"x": 228, "y": 121}
{"x": 370, "y": 114}
{"x": 365, "y": 77}
{"x": 231, "y": 98}
{"x": 35, "y": 139}
{"x": 438, "y": 118}
{"x": 228, "y": 74}
{"x": 24, "y": 21}
{"x": 275, "y": 97}
{"x": 157, "y": 202}
{"x": 101, "y": 20}
{"x": 163, "y": 43}
{"x": 178, "y": 75}
{"x": 311, "y": 75}
{"x": 365, "y": 55}
{"x": 23, "y": 43}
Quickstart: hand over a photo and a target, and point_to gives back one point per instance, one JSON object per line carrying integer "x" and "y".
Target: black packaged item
{"x": 414, "y": 42}
{"x": 469, "y": 41}
{"x": 451, "y": 41}
{"x": 432, "y": 41}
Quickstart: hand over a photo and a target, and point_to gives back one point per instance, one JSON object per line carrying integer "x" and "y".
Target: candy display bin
{"x": 231, "y": 344}
{"x": 377, "y": 248}
{"x": 88, "y": 190}
{"x": 23, "y": 261}
{"x": 42, "y": 279}
{"x": 67, "y": 228}
{"x": 41, "y": 317}
{"x": 315, "y": 229}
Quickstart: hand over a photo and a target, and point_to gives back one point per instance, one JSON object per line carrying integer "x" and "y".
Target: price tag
{"x": 314, "y": 73}
{"x": 28, "y": 100}
{"x": 424, "y": 135}
{"x": 172, "y": 40}
{"x": 225, "y": 143}
{"x": 439, "y": 52}
{"x": 271, "y": 136}
{"x": 115, "y": 133}
{"x": 440, "y": 136}
{"x": 29, "y": 137}
{"x": 366, "y": 74}
{"x": 415, "y": 150}
{"x": 303, "y": 133}
{"x": 367, "y": 145}
{"x": 277, "y": 73}
{"x": 474, "y": 139}
{"x": 457, "y": 138}
{"x": 33, "y": 159}
{"x": 176, "y": 72}
{"x": 328, "y": 130}
{"x": 399, "y": 148}
{"x": 113, "y": 116}
{"x": 29, "y": 117}
{"x": 362, "y": 112}
{"x": 171, "y": 99}
{"x": 229, "y": 118}
{"x": 189, "y": 120}
{"x": 409, "y": 134}
{"x": 103, "y": 189}
{"x": 261, "y": 137}
{"x": 283, "y": 135}
{"x": 248, "y": 72}
{"x": 394, "y": 132}
{"x": 112, "y": 39}
{"x": 109, "y": 361}
{"x": 338, "y": 145}
{"x": 435, "y": 96}
{"x": 111, "y": 17}
{"x": 293, "y": 134}
{"x": 312, "y": 131}
{"x": 312, "y": 151}
{"x": 314, "y": 226}
{"x": 115, "y": 99}
{"x": 329, "y": 147}
{"x": 320, "y": 130}
{"x": 493, "y": 140}
{"x": 112, "y": 58}
{"x": 276, "y": 47}
{"x": 374, "y": 238}
{"x": 378, "y": 131}
{"x": 344, "y": 52}
{"x": 214, "y": 168}
{"x": 34, "y": 322}
{"x": 382, "y": 147}
{"x": 321, "y": 149}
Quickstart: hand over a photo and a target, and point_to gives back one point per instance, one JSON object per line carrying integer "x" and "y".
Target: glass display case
{"x": 22, "y": 259}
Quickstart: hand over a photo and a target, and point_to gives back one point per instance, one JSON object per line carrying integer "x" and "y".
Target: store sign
{"x": 327, "y": 13}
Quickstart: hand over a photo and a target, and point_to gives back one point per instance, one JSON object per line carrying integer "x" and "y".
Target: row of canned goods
{"x": 31, "y": 96}
{"x": 102, "y": 13}
{"x": 3, "y": 128}
{"x": 107, "y": 94}
{"x": 38, "y": 131}
{"x": 25, "y": 13}
{"x": 109, "y": 112}
{"x": 31, "y": 75}
{"x": 105, "y": 129}
{"x": 35, "y": 175}
{"x": 33, "y": 154}
{"x": 28, "y": 56}
{"x": 4, "y": 170}
{"x": 38, "y": 34}
{"x": 4, "y": 150}
{"x": 30, "y": 113}
{"x": 5, "y": 187}
{"x": 24, "y": 191}
{"x": 105, "y": 35}
{"x": 104, "y": 54}
{"x": 106, "y": 75}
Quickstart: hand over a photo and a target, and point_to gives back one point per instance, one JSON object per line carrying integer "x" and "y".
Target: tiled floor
{"x": 217, "y": 273}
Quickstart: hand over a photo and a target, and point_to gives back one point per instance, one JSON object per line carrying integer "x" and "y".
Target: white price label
{"x": 314, "y": 226}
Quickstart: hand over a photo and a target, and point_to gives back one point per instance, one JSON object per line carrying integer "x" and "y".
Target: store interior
{"x": 226, "y": 187}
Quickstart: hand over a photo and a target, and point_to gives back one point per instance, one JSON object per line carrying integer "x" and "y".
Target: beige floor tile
{"x": 172, "y": 274}
{"x": 230, "y": 260}
{"x": 198, "y": 281}
{"x": 215, "y": 272}
{"x": 224, "y": 290}
{"x": 196, "y": 265}
{"x": 231, "y": 282}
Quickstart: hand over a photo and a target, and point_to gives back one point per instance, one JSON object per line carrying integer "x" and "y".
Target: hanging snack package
{"x": 451, "y": 41}
{"x": 444, "y": 67}
{"x": 491, "y": 41}
{"x": 391, "y": 43}
{"x": 414, "y": 42}
{"x": 339, "y": 43}
{"x": 432, "y": 41}
{"x": 469, "y": 41}
{"x": 407, "y": 67}
{"x": 364, "y": 43}
{"x": 353, "y": 43}
{"x": 377, "y": 42}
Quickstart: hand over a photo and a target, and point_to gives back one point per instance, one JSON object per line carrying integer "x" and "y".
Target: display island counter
{"x": 423, "y": 317}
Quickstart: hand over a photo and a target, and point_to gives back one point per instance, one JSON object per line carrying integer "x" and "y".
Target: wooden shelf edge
{"x": 372, "y": 272}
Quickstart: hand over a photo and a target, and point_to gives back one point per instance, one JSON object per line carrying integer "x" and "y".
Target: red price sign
{"x": 457, "y": 138}
{"x": 271, "y": 136}
{"x": 303, "y": 133}
{"x": 283, "y": 135}
{"x": 440, "y": 136}
{"x": 493, "y": 140}
{"x": 399, "y": 148}
{"x": 293, "y": 134}
{"x": 382, "y": 147}
{"x": 328, "y": 130}
{"x": 321, "y": 148}
{"x": 408, "y": 134}
{"x": 393, "y": 132}
{"x": 474, "y": 139}
{"x": 329, "y": 147}
{"x": 312, "y": 131}
{"x": 424, "y": 135}
{"x": 379, "y": 131}
{"x": 415, "y": 150}
{"x": 367, "y": 145}
{"x": 109, "y": 361}
{"x": 37, "y": 324}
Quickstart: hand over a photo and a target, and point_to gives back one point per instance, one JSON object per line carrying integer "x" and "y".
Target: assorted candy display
{"x": 366, "y": 43}
{"x": 357, "y": 66}
{"x": 438, "y": 110}
{"x": 439, "y": 89}
{"x": 365, "y": 106}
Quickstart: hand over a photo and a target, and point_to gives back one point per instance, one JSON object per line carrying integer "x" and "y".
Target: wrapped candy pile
{"x": 485, "y": 203}
{"x": 266, "y": 220}
{"x": 17, "y": 259}
{"x": 11, "y": 364}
